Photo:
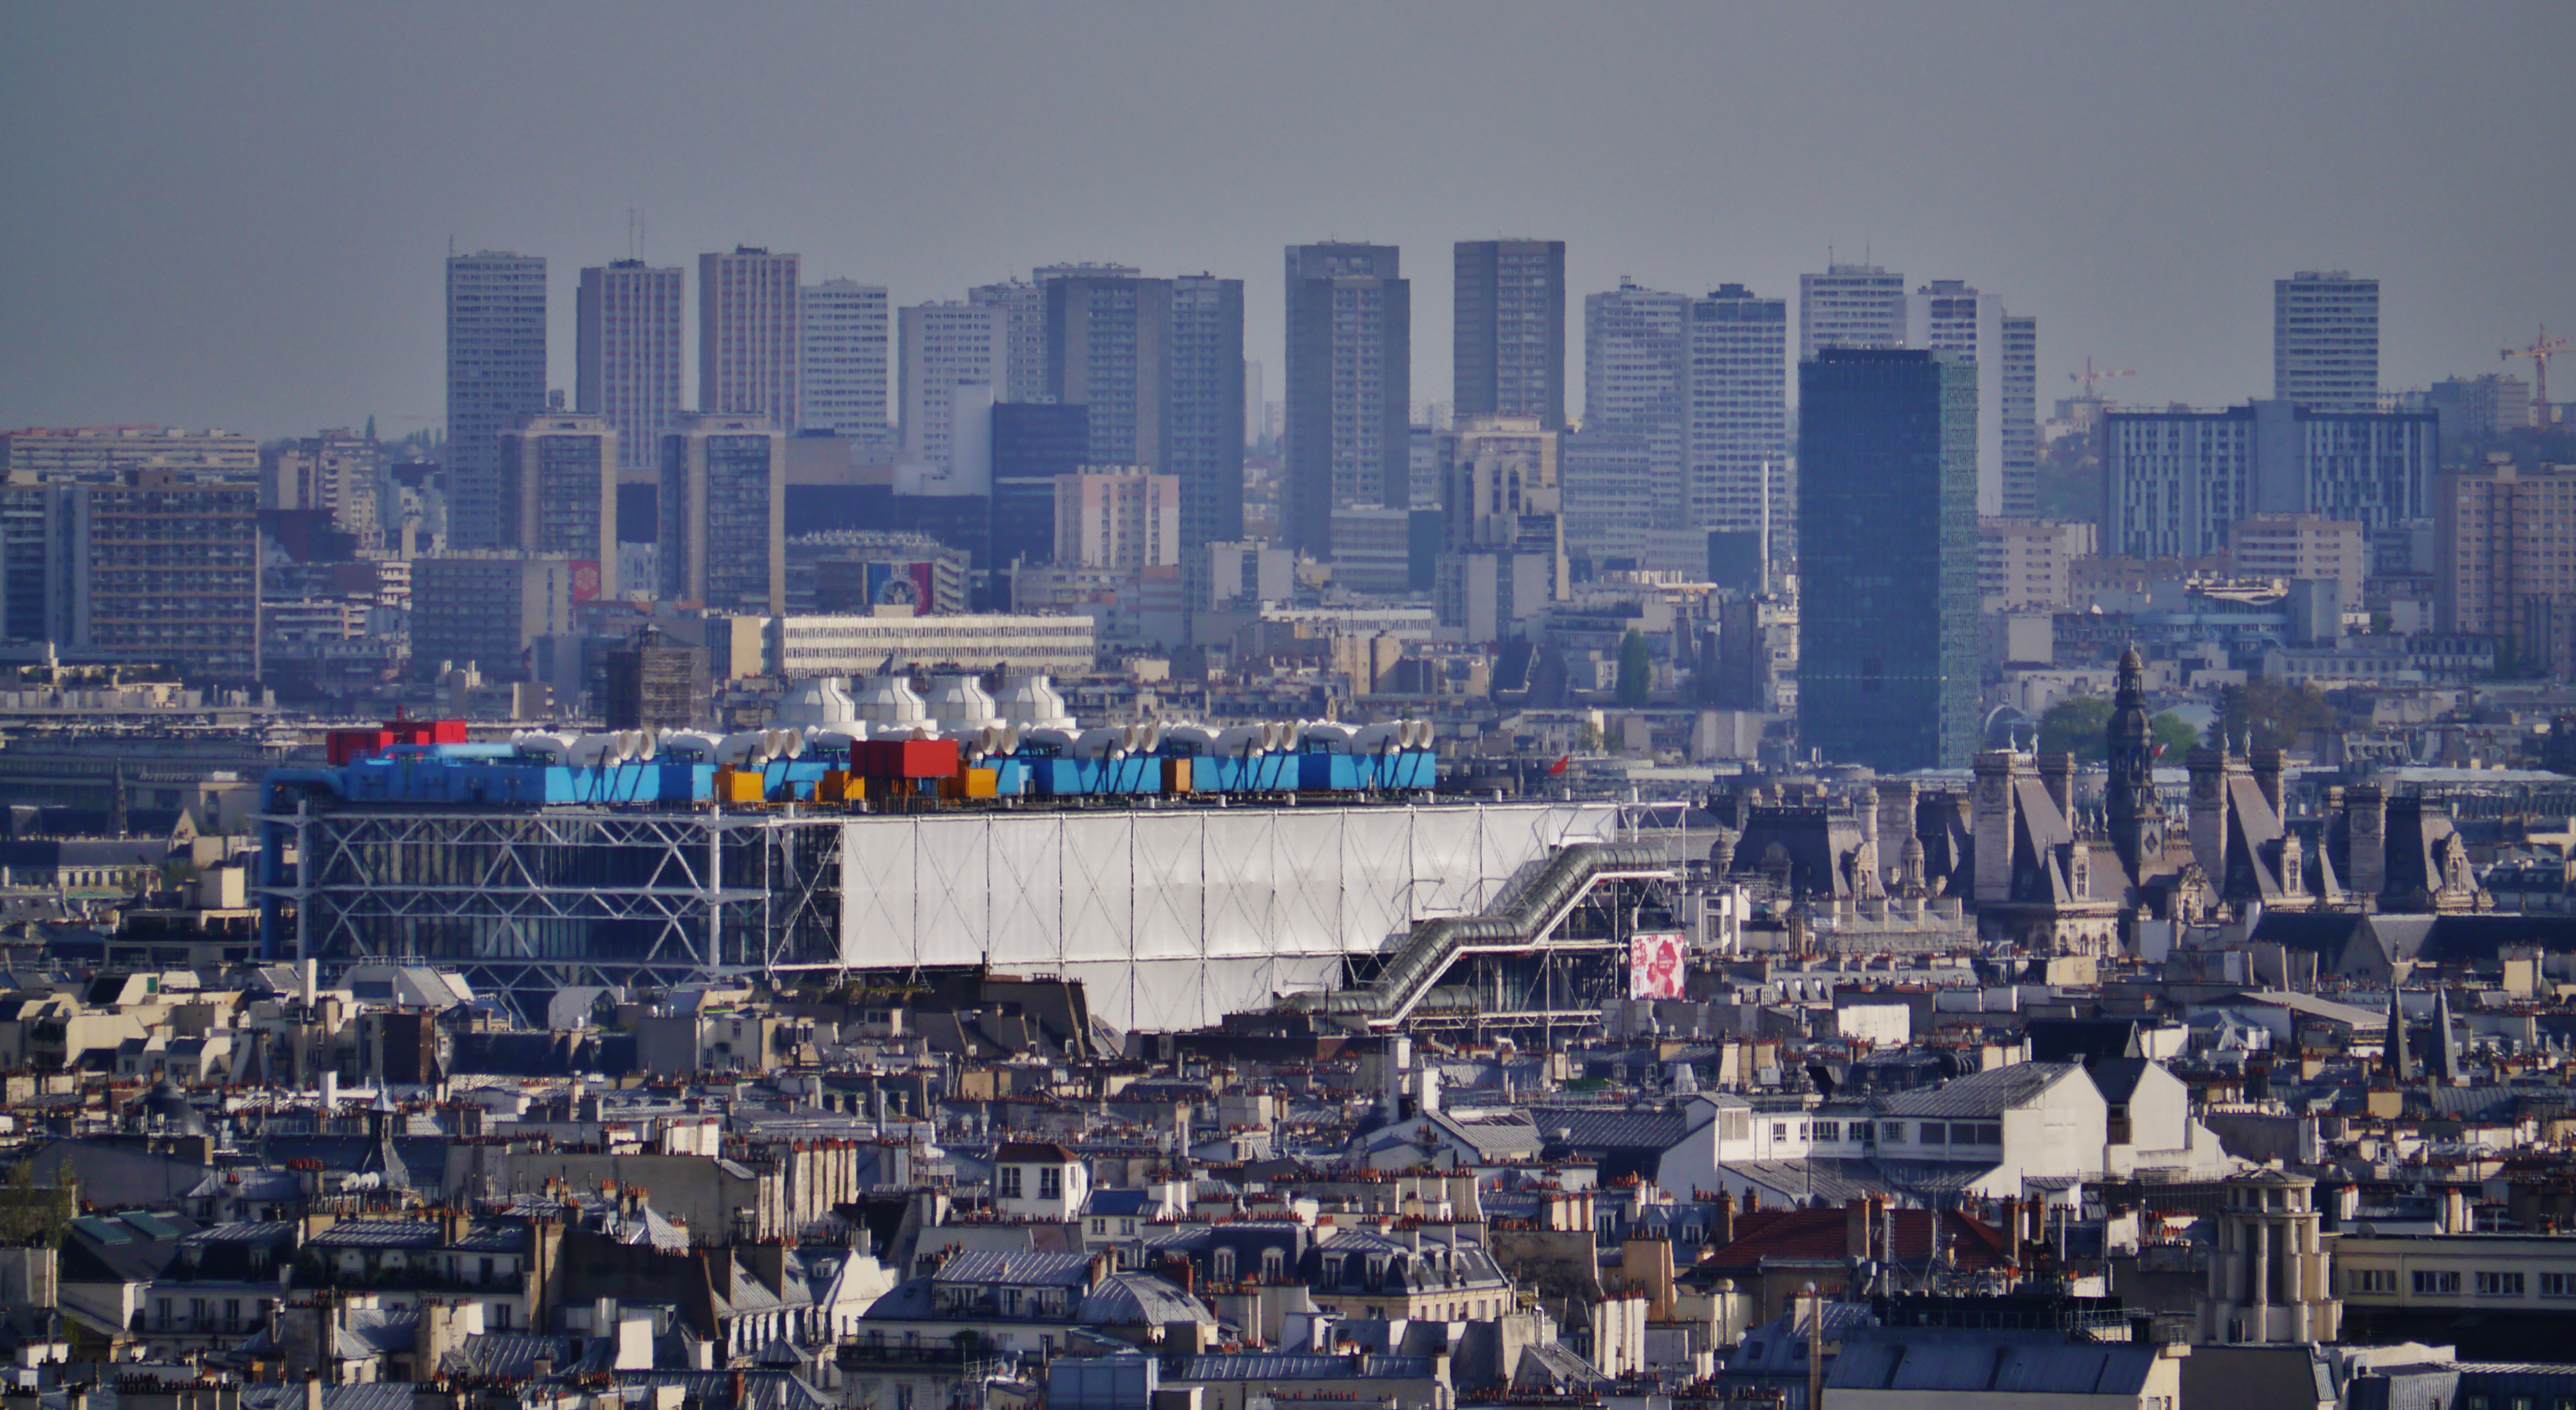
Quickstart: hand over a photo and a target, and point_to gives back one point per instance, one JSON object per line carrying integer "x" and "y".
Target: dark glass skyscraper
{"x": 1350, "y": 388}
{"x": 1032, "y": 444}
{"x": 1887, "y": 532}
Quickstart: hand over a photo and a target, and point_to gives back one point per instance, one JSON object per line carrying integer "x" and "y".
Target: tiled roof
{"x": 1821, "y": 1236}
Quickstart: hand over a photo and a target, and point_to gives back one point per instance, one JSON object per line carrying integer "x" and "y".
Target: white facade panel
{"x": 1173, "y": 919}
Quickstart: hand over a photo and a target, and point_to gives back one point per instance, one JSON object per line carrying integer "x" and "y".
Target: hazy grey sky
{"x": 234, "y": 215}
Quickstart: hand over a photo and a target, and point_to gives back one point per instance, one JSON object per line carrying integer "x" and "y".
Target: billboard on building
{"x": 1655, "y": 965}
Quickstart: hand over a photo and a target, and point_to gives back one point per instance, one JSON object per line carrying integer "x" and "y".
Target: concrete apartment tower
{"x": 1951, "y": 315}
{"x": 1737, "y": 435}
{"x": 1850, "y": 306}
{"x": 627, "y": 337}
{"x": 559, "y": 490}
{"x": 1508, "y": 350}
{"x": 1350, "y": 388}
{"x": 944, "y": 346}
{"x": 843, "y": 379}
{"x": 1887, "y": 538}
{"x": 2325, "y": 341}
{"x": 750, "y": 334}
{"x": 1158, "y": 363}
{"x": 496, "y": 373}
{"x": 723, "y": 511}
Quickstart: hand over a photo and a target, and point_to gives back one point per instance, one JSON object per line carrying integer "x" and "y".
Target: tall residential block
{"x": 1159, "y": 365}
{"x": 1626, "y": 468}
{"x": 1737, "y": 375}
{"x": 843, "y": 381}
{"x": 336, "y": 472}
{"x": 489, "y": 608}
{"x": 945, "y": 346}
{"x": 1950, "y": 315}
{"x": 627, "y": 372}
{"x": 2506, "y": 542}
{"x": 723, "y": 506}
{"x": 2177, "y": 482}
{"x": 160, "y": 566}
{"x": 2325, "y": 341}
{"x": 1850, "y": 306}
{"x": 1350, "y": 387}
{"x": 750, "y": 337}
{"x": 1023, "y": 311}
{"x": 1697, "y": 387}
{"x": 559, "y": 491}
{"x": 496, "y": 373}
{"x": 1887, "y": 513}
{"x": 1204, "y": 406}
{"x": 2020, "y": 397}
{"x": 1508, "y": 350}
{"x": 1117, "y": 519}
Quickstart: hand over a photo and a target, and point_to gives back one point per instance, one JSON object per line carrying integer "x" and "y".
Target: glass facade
{"x": 1887, "y": 645}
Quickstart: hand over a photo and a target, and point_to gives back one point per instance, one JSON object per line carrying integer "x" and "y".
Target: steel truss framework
{"x": 1550, "y": 991}
{"x": 525, "y": 903}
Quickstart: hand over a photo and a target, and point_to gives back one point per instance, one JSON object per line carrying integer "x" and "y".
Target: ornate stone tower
{"x": 2135, "y": 814}
{"x": 2268, "y": 1274}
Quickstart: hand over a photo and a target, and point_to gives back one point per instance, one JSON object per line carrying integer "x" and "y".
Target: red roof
{"x": 1822, "y": 1236}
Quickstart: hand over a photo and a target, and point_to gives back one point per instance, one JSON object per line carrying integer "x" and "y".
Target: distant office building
{"x": 488, "y": 609}
{"x": 844, "y": 377}
{"x": 627, "y": 334}
{"x": 1241, "y": 576}
{"x": 651, "y": 684}
{"x": 945, "y": 346}
{"x": 2179, "y": 481}
{"x": 750, "y": 334}
{"x": 2473, "y": 408}
{"x": 1949, "y": 315}
{"x": 496, "y": 373}
{"x": 2506, "y": 542}
{"x": 1508, "y": 349}
{"x": 1033, "y": 445}
{"x": 862, "y": 571}
{"x": 2325, "y": 341}
{"x": 1737, "y": 398}
{"x": 1850, "y": 306}
{"x": 2303, "y": 546}
{"x": 723, "y": 506}
{"x": 49, "y": 455}
{"x": 559, "y": 491}
{"x": 1118, "y": 519}
{"x": 847, "y": 646}
{"x": 1504, "y": 561}
{"x": 28, "y": 528}
{"x": 158, "y": 566}
{"x": 2022, "y": 563}
{"x": 335, "y": 472}
{"x": 1350, "y": 387}
{"x": 1609, "y": 478}
{"x": 1887, "y": 649}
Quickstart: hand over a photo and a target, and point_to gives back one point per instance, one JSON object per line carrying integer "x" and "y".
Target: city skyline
{"x": 128, "y": 323}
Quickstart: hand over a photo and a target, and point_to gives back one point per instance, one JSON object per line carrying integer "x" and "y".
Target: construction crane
{"x": 2092, "y": 376}
{"x": 2539, "y": 353}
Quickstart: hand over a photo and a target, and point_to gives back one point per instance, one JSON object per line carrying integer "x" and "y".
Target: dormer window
{"x": 1224, "y": 1260}
{"x": 1050, "y": 1182}
{"x": 1274, "y": 1263}
{"x": 1010, "y": 1182}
